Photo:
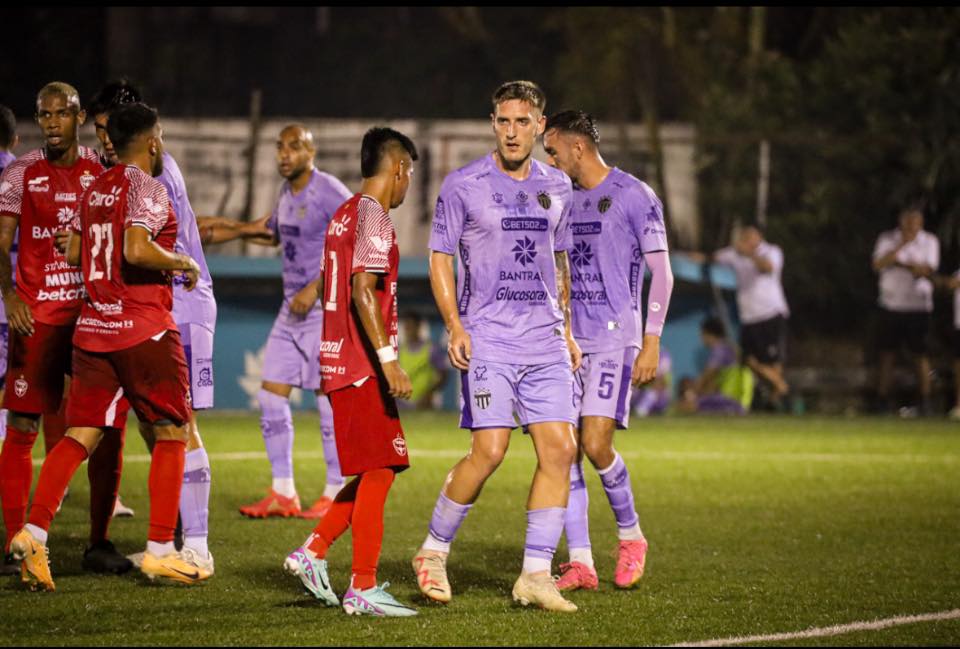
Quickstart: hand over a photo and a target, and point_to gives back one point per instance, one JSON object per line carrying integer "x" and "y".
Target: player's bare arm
{"x": 563, "y": 297}
{"x": 18, "y": 313}
{"x": 306, "y": 298}
{"x": 368, "y": 310}
{"x": 218, "y": 229}
{"x": 444, "y": 288}
{"x": 140, "y": 250}
{"x": 763, "y": 264}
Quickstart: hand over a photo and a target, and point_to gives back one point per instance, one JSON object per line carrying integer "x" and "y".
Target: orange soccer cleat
{"x": 273, "y": 505}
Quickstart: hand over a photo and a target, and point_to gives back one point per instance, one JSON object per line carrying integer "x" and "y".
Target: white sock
{"x": 535, "y": 564}
{"x": 331, "y": 490}
{"x": 285, "y": 487}
{"x": 435, "y": 545}
{"x": 197, "y": 543}
{"x": 160, "y": 549}
{"x": 37, "y": 532}
{"x": 582, "y": 555}
{"x": 630, "y": 533}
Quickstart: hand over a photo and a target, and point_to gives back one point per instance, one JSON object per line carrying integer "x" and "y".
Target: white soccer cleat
{"x": 539, "y": 589}
{"x": 191, "y": 556}
{"x": 136, "y": 559}
{"x": 120, "y": 510}
{"x": 431, "y": 569}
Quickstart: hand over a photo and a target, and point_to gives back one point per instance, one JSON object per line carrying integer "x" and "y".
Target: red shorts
{"x": 36, "y": 367}
{"x": 367, "y": 427}
{"x": 151, "y": 375}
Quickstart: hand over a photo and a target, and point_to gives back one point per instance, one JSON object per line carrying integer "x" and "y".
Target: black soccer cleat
{"x": 102, "y": 556}
{"x": 10, "y": 565}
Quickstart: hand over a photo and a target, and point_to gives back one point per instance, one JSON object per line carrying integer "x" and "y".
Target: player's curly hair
{"x": 526, "y": 91}
{"x": 112, "y": 94}
{"x": 575, "y": 121}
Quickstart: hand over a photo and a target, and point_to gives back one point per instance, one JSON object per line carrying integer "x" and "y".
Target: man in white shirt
{"x": 905, "y": 259}
{"x": 758, "y": 265}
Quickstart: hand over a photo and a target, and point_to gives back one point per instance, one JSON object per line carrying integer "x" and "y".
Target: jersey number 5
{"x": 102, "y": 236}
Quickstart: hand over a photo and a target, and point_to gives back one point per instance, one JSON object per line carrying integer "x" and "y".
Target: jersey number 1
{"x": 101, "y": 233}
{"x": 331, "y": 304}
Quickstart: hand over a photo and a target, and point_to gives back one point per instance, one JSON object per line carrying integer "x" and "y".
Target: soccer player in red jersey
{"x": 40, "y": 194}
{"x": 126, "y": 344}
{"x": 361, "y": 375}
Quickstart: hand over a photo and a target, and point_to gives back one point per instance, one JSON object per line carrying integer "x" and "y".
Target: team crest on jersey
{"x": 86, "y": 179}
{"x": 544, "y": 199}
{"x": 498, "y": 198}
{"x": 522, "y": 196}
{"x": 20, "y": 386}
{"x": 400, "y": 445}
{"x": 604, "y": 204}
{"x": 482, "y": 398}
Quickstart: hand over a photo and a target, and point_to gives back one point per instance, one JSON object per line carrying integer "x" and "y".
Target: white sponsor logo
{"x": 331, "y": 346}
{"x": 101, "y": 324}
{"x": 68, "y": 278}
{"x": 400, "y": 445}
{"x": 65, "y": 215}
{"x": 104, "y": 200}
{"x": 154, "y": 208}
{"x": 21, "y": 386}
{"x": 337, "y": 228}
{"x": 38, "y": 184}
{"x": 109, "y": 309}
{"x": 655, "y": 307}
{"x": 65, "y": 197}
{"x": 380, "y": 244}
{"x": 42, "y": 233}
{"x": 61, "y": 295}
{"x": 5, "y": 186}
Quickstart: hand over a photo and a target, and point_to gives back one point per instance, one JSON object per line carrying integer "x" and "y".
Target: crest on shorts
{"x": 400, "y": 445}
{"x": 544, "y": 199}
{"x": 482, "y": 398}
{"x": 86, "y": 179}
{"x": 21, "y": 386}
{"x": 604, "y": 204}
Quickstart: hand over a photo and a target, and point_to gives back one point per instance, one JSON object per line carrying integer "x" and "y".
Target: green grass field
{"x": 756, "y": 526}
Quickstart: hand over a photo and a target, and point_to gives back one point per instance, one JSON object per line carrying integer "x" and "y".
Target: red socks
{"x": 16, "y": 475}
{"x": 166, "y": 478}
{"x": 336, "y": 521}
{"x": 359, "y": 504}
{"x": 103, "y": 471}
{"x": 57, "y": 471}
{"x": 368, "y": 525}
{"x": 54, "y": 426}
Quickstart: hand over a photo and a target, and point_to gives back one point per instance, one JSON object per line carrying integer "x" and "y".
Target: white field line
{"x": 856, "y": 458}
{"x": 828, "y": 631}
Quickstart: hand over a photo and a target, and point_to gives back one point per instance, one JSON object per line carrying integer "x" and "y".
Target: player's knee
{"x": 489, "y": 454}
{"x": 597, "y": 449}
{"x": 560, "y": 455}
{"x": 24, "y": 423}
{"x": 168, "y": 431}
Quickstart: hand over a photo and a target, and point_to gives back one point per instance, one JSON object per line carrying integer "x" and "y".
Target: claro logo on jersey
{"x": 98, "y": 199}
{"x": 337, "y": 228}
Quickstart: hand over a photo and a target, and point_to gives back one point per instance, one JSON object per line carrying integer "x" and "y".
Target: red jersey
{"x": 360, "y": 239}
{"x": 125, "y": 304}
{"x": 46, "y": 198}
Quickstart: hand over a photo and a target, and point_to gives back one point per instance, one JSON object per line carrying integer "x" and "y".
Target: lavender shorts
{"x": 602, "y": 385}
{"x": 492, "y": 394}
{"x": 198, "y": 348}
{"x": 292, "y": 356}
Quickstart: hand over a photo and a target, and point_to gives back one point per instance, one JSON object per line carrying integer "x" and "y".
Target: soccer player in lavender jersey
{"x": 507, "y": 217}
{"x": 618, "y": 231}
{"x": 299, "y": 223}
{"x": 39, "y": 194}
{"x": 362, "y": 375}
{"x": 8, "y": 141}
{"x": 126, "y": 344}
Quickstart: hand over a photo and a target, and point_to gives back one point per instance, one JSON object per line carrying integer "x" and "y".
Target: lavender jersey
{"x": 299, "y": 222}
{"x": 614, "y": 225}
{"x": 505, "y": 232}
{"x": 197, "y": 306}
{"x": 5, "y": 159}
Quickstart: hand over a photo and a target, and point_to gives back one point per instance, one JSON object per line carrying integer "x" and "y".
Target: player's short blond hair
{"x": 526, "y": 91}
{"x": 60, "y": 88}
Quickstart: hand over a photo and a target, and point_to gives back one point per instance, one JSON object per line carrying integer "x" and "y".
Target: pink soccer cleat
{"x": 631, "y": 558}
{"x": 576, "y": 575}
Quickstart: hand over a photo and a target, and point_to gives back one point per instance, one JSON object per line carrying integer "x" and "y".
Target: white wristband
{"x": 386, "y": 354}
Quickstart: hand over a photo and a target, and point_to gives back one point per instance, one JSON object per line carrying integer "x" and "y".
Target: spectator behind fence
{"x": 424, "y": 362}
{"x": 905, "y": 259}
{"x": 655, "y": 398}
{"x": 725, "y": 386}
{"x": 758, "y": 265}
